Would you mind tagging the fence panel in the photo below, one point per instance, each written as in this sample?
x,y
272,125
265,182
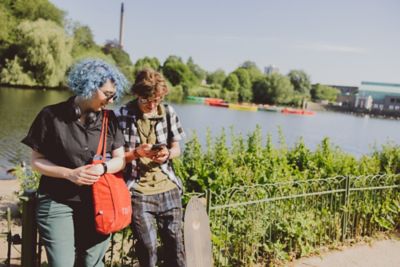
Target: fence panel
x,y
273,223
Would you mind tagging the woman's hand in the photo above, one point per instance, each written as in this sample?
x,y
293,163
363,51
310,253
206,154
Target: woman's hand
x,y
85,175
97,169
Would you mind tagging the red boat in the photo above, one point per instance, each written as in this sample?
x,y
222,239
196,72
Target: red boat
x,y
210,100
219,104
297,111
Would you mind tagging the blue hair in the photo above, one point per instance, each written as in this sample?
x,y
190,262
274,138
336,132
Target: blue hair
x,y
88,75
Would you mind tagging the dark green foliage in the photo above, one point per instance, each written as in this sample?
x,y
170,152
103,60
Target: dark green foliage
x,y
231,83
272,89
205,92
245,93
178,73
196,70
119,55
300,81
253,70
324,92
216,77
83,37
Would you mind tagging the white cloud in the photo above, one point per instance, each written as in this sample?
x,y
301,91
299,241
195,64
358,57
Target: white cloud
x,y
332,48
225,37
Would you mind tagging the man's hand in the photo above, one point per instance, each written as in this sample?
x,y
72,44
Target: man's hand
x,y
161,156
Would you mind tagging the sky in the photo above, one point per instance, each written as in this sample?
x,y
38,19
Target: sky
x,y
337,42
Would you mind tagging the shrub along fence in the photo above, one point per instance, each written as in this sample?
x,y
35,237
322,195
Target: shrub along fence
x,y
270,224
273,223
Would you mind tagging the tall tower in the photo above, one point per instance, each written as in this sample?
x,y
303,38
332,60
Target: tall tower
x,y
121,26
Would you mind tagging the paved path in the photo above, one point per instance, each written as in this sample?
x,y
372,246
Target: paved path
x,y
382,253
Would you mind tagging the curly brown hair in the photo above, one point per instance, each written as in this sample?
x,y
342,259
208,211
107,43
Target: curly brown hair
x,y
149,82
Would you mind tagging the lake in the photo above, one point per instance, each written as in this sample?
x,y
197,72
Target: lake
x,y
355,135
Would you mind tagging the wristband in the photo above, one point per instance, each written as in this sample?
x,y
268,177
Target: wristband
x,y
104,167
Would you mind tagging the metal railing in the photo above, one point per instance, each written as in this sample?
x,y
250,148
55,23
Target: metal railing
x,y
272,223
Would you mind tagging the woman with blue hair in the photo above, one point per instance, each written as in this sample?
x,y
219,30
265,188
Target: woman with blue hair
x,y
64,139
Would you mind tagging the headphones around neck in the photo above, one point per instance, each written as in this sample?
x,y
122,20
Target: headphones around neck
x,y
90,117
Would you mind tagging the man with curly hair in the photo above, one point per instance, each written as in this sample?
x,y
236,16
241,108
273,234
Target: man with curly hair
x,y
152,133
64,138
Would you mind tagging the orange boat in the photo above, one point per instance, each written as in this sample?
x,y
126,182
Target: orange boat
x,y
297,111
210,100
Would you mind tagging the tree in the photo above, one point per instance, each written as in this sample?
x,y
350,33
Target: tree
x,y
44,52
196,70
272,89
245,92
300,81
178,73
13,73
249,65
231,83
324,92
83,36
119,55
7,24
253,70
147,62
216,77
38,9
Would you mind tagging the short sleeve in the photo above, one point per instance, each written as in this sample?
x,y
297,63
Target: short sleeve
x,y
39,132
118,137
177,132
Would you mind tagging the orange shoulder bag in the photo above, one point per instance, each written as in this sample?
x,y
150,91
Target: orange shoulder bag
x,y
111,197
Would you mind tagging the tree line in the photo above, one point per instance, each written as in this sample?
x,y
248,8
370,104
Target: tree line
x,y
38,45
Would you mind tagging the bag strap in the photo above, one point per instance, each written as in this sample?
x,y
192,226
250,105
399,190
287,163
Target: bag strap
x,y
168,118
101,148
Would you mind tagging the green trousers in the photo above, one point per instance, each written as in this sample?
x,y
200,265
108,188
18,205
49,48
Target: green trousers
x,y
68,233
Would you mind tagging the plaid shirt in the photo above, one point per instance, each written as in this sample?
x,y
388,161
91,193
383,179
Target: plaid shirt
x,y
127,117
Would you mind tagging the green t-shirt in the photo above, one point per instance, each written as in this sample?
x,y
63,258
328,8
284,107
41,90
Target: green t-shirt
x,y
152,179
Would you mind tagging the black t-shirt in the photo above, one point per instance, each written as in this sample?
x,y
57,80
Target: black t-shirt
x,y
62,139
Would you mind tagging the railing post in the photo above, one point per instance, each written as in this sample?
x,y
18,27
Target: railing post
x,y
29,229
345,205
9,238
208,204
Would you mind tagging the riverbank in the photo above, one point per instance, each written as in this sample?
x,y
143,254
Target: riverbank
x,y
34,87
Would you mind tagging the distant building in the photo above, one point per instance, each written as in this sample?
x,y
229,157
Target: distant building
x,y
347,95
363,102
383,97
346,90
270,69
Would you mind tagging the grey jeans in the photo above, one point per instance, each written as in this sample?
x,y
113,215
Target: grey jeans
x,y
69,235
160,213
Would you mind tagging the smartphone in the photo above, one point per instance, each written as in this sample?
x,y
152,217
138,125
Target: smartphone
x,y
157,147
